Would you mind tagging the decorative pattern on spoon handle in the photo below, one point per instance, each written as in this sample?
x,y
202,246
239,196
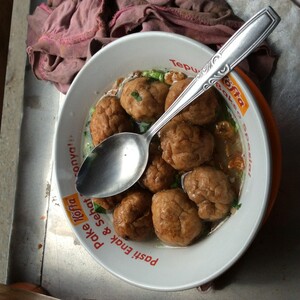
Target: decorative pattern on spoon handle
x,y
220,73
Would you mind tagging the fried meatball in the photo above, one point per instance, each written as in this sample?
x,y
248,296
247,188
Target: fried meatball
x,y
159,175
210,189
185,146
144,99
132,219
109,203
202,110
210,211
109,118
175,218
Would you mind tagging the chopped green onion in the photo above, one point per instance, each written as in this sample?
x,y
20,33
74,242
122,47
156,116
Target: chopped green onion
x,y
236,204
143,126
136,96
92,109
99,209
236,127
177,182
155,74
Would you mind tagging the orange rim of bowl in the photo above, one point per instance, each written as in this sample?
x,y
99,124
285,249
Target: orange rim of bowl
x,y
274,139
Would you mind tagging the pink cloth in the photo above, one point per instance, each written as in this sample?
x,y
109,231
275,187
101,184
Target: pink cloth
x,y
63,34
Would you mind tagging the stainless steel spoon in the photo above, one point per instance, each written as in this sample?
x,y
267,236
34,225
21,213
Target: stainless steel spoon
x,y
119,161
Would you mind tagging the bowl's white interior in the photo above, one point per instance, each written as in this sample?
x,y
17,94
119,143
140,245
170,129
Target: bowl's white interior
x,y
176,268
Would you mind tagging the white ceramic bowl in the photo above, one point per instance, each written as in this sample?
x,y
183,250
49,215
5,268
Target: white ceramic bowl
x,y
149,264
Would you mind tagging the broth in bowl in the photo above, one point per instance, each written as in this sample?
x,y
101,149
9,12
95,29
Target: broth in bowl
x,y
194,175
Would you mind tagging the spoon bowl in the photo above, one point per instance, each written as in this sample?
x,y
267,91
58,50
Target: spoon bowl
x,y
121,157
119,161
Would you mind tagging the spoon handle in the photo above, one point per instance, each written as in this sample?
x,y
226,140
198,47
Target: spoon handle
x,y
244,41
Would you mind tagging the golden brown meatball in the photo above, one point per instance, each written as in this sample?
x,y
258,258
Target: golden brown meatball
x,y
109,203
132,219
185,146
210,189
202,110
175,218
144,99
159,175
210,211
108,118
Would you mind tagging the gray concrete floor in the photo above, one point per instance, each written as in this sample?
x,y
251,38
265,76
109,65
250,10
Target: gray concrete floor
x,y
5,18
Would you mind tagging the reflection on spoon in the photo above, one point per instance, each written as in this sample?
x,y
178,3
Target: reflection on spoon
x,y
119,161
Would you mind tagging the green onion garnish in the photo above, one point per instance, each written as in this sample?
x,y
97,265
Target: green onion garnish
x,y
155,74
236,204
99,209
136,96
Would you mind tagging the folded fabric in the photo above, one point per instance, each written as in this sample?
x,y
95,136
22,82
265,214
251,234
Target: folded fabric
x,y
63,34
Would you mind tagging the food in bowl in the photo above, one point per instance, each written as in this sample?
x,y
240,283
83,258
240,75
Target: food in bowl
x,y
196,163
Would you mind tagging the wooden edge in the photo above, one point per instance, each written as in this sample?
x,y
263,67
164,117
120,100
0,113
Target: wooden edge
x,y
11,126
